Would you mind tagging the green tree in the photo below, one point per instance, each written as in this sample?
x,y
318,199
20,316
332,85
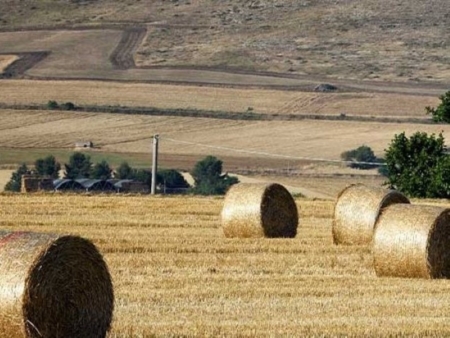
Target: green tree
x,y
172,179
442,112
101,171
124,171
360,154
47,166
79,166
418,166
68,106
52,105
208,177
15,182
145,176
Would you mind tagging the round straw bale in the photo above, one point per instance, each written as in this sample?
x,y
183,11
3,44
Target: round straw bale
x,y
412,241
259,210
356,211
53,286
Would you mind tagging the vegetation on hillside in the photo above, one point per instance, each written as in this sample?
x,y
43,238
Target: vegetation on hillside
x,y
313,37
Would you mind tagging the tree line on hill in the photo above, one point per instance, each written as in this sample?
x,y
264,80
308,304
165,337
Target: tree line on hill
x,y
207,174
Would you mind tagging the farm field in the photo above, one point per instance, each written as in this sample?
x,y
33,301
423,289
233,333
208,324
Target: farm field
x,y
287,140
176,275
167,96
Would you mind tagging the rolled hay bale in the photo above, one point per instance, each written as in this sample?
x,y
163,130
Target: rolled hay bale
x,y
356,211
259,210
53,286
412,241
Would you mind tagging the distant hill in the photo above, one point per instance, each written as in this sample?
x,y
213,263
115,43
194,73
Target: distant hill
x,y
392,40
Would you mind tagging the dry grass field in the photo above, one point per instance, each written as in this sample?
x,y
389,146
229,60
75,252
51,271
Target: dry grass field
x,y
215,99
6,60
199,136
380,40
176,275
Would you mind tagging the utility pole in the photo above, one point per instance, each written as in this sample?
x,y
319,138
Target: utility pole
x,y
154,164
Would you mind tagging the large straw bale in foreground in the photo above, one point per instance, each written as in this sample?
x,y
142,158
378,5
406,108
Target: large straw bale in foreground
x,y
413,241
356,211
259,210
53,286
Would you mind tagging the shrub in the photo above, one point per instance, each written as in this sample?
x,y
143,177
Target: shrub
x,y
442,112
52,105
15,182
361,154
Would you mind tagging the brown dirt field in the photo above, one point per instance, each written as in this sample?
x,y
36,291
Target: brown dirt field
x,y
216,99
73,53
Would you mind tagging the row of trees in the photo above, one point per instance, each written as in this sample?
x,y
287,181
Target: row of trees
x,y
207,174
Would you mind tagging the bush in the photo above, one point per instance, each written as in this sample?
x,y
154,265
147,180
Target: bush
x,y
442,112
68,106
361,154
52,105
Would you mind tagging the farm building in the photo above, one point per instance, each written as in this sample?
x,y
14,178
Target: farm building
x,y
96,184
128,185
67,184
84,144
33,183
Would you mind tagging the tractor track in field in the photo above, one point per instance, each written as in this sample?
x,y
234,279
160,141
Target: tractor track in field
x,y
22,64
123,55
122,58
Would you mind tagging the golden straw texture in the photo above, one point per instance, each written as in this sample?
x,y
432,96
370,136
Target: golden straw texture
x,y
259,210
413,241
53,286
356,211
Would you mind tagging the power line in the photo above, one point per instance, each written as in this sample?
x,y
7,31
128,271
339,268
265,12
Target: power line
x,y
266,154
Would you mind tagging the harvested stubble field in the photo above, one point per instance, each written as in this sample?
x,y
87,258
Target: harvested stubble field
x,y
6,60
132,134
176,275
215,99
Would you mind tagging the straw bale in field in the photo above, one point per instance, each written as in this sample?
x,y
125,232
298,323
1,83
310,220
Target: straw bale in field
x,y
356,211
53,286
412,241
259,210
